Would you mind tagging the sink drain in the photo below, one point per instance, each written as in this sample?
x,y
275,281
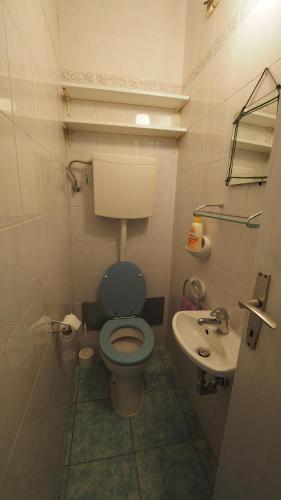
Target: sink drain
x,y
204,352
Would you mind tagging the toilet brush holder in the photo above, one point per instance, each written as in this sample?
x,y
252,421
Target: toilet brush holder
x,y
86,356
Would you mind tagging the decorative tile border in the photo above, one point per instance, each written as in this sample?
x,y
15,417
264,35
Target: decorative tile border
x,y
220,41
120,82
246,8
173,88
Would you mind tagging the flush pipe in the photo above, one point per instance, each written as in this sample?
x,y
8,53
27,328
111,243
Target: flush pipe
x,y
123,238
210,387
75,186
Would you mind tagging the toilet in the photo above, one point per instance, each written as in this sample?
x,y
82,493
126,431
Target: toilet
x,y
126,341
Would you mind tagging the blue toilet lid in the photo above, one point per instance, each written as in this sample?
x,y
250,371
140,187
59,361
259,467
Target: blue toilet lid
x,y
123,290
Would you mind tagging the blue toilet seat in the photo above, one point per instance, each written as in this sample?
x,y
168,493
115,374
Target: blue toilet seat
x,y
131,358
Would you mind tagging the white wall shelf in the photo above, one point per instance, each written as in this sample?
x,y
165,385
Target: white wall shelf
x,y
123,96
253,146
123,128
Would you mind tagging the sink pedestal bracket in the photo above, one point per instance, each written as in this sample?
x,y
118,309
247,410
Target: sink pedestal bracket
x,y
205,387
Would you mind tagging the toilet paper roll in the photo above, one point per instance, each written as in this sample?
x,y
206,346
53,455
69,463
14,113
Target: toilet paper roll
x,y
72,321
86,357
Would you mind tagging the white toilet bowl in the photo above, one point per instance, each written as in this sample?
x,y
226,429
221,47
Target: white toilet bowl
x,y
126,342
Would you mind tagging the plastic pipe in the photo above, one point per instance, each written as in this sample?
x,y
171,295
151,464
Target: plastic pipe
x,y
123,238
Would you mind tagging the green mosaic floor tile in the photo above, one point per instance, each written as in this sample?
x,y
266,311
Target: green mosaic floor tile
x,y
207,460
94,383
160,422
110,479
99,432
172,473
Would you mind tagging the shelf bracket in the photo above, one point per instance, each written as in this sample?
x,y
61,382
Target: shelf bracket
x,y
218,205
66,99
68,134
251,218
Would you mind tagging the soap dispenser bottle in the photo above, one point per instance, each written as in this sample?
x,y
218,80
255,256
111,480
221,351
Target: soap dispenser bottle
x,y
195,238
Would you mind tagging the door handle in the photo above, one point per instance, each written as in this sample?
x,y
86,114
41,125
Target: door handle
x,y
254,306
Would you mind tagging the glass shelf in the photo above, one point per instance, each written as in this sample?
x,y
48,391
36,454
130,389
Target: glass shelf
x,y
247,221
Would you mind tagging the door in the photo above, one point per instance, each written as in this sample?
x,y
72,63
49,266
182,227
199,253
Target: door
x,y
250,462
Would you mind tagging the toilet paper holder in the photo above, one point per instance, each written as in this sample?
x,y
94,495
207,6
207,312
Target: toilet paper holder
x,y
56,329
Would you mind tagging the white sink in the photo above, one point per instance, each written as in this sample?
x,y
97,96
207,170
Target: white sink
x,y
190,336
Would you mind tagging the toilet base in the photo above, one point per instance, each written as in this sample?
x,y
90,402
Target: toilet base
x,y
127,394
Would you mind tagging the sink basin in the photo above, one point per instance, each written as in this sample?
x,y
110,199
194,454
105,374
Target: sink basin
x,y
222,349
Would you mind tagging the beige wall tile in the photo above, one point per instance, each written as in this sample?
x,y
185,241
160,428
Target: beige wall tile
x,y
86,226
5,91
35,268
149,255
30,175
166,152
86,287
93,257
157,283
224,55
10,199
126,38
10,415
162,224
165,190
21,77
14,280
139,229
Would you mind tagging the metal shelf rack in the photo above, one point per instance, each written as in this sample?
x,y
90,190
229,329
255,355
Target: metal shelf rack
x,y
247,221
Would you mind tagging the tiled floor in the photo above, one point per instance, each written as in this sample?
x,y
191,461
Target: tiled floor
x,y
159,454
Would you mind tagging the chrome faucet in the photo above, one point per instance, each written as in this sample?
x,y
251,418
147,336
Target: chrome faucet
x,y
218,316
